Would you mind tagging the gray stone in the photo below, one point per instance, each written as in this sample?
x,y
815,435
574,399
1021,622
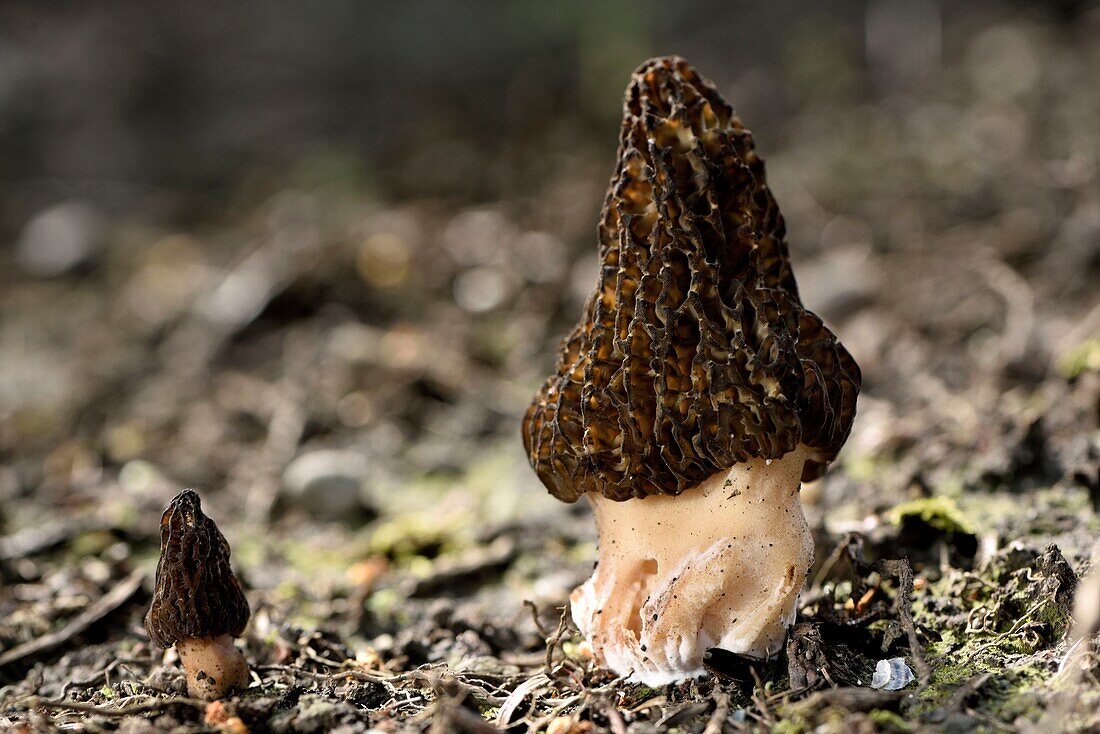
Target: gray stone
x,y
326,484
59,238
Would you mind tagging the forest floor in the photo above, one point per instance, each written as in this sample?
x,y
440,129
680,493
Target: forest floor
x,y
341,378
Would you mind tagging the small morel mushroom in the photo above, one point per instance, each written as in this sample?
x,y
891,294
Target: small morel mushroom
x,y
693,396
198,605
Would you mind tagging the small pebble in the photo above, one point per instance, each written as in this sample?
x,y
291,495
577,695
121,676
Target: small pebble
x,y
327,484
59,238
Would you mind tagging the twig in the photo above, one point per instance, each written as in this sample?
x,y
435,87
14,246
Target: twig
x,y
451,715
615,719
901,569
852,698
535,616
309,652
1019,307
42,537
542,722
759,699
999,725
832,560
967,689
1025,617
91,680
552,642
516,697
114,711
718,718
494,558
93,613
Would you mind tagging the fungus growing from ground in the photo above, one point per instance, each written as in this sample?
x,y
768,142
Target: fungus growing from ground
x,y
198,604
692,397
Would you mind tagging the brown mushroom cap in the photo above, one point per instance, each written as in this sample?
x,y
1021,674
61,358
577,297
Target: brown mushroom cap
x,y
197,594
694,353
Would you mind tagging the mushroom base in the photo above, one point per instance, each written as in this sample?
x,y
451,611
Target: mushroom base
x,y
214,667
721,565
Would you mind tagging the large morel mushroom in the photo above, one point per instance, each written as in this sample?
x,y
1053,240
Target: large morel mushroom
x,y
198,604
693,396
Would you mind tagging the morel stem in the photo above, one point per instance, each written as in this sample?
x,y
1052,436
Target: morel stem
x,y
213,665
719,566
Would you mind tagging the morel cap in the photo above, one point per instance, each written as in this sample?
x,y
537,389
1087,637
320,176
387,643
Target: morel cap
x,y
694,352
196,594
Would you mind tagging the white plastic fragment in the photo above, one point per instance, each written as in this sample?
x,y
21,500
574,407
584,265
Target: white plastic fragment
x,y
892,675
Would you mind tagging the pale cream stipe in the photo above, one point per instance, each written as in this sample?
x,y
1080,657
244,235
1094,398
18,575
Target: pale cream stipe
x,y
721,565
214,667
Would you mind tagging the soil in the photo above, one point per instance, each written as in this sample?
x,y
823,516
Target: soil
x,y
341,377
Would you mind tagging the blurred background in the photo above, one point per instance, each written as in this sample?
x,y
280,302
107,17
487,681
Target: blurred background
x,y
314,259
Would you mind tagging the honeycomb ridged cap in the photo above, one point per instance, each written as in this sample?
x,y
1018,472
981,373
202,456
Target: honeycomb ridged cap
x,y
694,351
196,592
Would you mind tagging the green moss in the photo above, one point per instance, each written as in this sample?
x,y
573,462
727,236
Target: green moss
x,y
571,647
938,512
309,558
383,602
889,720
1003,620
949,669
286,591
332,168
249,549
412,535
582,552
1009,692
1081,358
861,467
643,692
793,725
91,543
